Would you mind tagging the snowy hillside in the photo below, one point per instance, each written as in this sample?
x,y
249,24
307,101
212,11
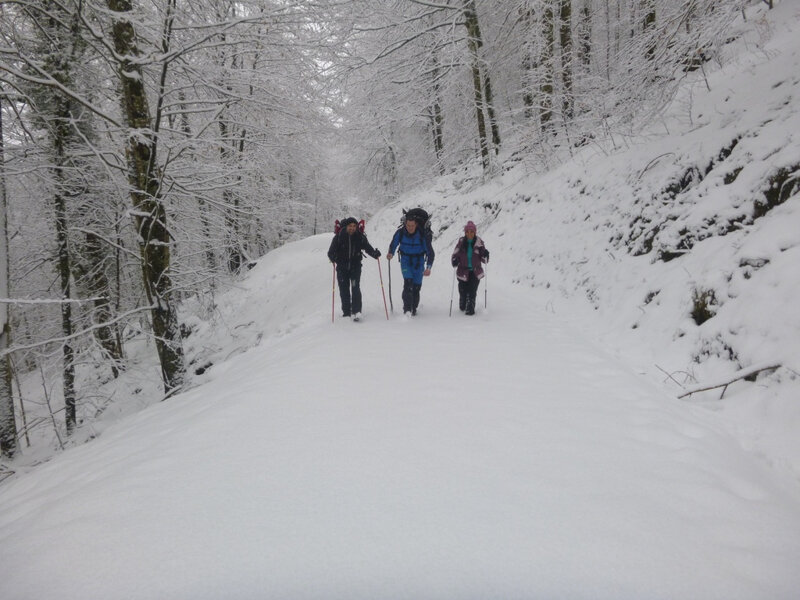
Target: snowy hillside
x,y
501,455
678,250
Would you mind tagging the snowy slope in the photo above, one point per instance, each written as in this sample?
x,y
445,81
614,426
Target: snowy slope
x,y
626,237
439,457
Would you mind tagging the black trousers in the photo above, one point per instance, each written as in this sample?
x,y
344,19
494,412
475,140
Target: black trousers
x,y
349,278
411,295
467,292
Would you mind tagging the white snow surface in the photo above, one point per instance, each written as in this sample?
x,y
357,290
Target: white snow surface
x,y
535,450
495,456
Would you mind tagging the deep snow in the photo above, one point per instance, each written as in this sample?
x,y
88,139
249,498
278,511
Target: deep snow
x,y
437,457
535,450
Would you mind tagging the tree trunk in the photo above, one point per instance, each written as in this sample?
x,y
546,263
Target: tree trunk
x,y
608,41
437,123
99,288
546,62
66,307
8,423
149,214
90,266
528,63
231,202
58,47
61,135
487,91
585,38
649,23
474,43
565,41
233,246
483,142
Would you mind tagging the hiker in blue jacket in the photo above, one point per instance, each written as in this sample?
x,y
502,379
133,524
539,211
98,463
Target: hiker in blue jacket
x,y
416,260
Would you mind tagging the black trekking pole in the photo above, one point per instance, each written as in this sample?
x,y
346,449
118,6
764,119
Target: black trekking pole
x,y
485,285
333,293
391,304
452,291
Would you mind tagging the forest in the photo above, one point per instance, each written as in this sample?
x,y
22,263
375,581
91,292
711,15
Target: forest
x,y
150,152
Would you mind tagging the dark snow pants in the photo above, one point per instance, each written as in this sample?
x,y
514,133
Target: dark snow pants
x,y
349,279
413,268
467,292
411,295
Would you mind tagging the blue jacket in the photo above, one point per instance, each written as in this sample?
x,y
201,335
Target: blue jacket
x,y
415,244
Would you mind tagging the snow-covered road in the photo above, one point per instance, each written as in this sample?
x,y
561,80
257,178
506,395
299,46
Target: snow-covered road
x,y
498,456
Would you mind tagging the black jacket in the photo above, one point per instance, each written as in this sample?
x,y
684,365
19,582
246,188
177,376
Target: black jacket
x,y
346,249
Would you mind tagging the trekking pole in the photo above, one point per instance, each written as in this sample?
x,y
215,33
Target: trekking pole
x,y
485,285
452,290
333,292
391,304
383,293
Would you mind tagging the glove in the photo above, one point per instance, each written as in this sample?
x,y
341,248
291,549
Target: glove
x,y
377,254
454,261
486,255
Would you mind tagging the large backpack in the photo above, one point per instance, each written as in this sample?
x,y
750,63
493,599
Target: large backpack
x,y
423,220
339,225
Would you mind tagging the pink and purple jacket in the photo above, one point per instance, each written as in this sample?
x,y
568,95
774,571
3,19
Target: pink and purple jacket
x,y
479,254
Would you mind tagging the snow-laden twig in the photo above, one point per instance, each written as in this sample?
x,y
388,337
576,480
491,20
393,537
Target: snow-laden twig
x,y
46,300
652,162
742,374
669,376
50,407
77,334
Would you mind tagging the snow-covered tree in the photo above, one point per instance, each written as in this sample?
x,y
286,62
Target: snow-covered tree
x,y
8,427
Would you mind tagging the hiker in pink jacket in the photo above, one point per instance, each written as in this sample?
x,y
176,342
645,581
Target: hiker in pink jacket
x,y
468,258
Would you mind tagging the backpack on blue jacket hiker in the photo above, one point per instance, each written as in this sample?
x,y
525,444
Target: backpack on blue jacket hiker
x,y
423,220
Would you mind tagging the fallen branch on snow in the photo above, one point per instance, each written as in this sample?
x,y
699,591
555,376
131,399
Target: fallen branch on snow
x,y
743,374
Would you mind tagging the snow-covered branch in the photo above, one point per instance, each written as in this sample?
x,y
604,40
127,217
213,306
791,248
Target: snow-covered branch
x,y
742,374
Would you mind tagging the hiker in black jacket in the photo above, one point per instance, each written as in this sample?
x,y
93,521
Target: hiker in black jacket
x,y
345,252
